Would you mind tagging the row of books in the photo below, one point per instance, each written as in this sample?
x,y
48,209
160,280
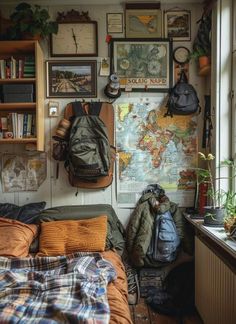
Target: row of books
x,y
18,125
12,68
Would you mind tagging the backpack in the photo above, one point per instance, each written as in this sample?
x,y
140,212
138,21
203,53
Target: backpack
x,y
183,99
165,239
89,154
176,296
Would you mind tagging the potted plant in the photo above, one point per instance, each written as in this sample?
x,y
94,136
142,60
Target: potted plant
x,y
202,56
31,22
222,204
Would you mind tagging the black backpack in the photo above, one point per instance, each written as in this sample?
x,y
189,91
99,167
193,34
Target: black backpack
x,y
89,155
165,240
183,99
176,297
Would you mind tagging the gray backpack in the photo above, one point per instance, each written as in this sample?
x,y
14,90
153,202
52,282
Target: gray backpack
x,y
165,239
89,155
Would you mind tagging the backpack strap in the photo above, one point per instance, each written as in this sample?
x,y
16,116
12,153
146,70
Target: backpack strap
x,y
95,108
78,110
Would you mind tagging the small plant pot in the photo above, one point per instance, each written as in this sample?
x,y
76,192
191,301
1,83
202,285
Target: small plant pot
x,y
214,216
203,61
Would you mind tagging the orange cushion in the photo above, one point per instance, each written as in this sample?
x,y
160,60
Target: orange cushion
x,y
69,236
16,237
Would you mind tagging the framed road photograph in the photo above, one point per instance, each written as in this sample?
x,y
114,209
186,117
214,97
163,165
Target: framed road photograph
x,y
71,79
177,25
142,65
143,23
114,23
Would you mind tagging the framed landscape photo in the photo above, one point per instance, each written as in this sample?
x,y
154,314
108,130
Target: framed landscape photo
x,y
143,23
71,79
143,64
114,23
177,25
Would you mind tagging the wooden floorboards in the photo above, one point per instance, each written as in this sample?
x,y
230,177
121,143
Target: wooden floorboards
x,y
142,314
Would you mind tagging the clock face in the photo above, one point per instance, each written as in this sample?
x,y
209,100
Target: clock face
x,y
154,67
75,39
181,55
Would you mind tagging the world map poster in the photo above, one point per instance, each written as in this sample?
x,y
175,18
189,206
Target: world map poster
x,y
155,149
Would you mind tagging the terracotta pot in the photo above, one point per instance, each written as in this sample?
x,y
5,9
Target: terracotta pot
x,y
203,61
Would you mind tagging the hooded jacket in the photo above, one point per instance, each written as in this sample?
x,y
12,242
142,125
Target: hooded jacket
x,y
140,226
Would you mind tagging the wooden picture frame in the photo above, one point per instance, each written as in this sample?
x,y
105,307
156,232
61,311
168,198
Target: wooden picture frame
x,y
78,38
143,23
71,79
114,23
143,64
177,25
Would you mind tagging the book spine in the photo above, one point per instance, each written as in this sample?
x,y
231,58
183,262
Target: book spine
x,y
25,121
29,125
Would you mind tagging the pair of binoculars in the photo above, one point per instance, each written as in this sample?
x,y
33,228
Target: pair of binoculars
x,y
63,130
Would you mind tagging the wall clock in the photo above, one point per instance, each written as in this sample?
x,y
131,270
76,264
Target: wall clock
x,y
181,55
75,39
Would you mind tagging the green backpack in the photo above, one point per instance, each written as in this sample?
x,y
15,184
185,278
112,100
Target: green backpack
x,y
89,154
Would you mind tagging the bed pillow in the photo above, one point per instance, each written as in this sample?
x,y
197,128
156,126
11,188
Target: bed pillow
x,y
115,230
26,213
70,236
15,237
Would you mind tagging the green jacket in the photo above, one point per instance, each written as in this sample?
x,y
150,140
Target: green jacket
x,y
140,228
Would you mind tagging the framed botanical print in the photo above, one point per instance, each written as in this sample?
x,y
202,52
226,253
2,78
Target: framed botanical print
x,y
143,64
71,79
77,38
143,23
177,25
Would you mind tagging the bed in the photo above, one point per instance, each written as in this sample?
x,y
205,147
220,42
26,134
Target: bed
x,y
63,265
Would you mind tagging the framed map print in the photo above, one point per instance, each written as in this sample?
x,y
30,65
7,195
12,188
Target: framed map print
x,y
144,23
143,64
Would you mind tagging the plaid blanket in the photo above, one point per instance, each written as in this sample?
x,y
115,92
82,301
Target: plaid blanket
x,y
64,289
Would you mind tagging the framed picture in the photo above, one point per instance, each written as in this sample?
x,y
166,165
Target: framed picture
x,y
177,25
71,79
142,65
75,39
144,23
114,23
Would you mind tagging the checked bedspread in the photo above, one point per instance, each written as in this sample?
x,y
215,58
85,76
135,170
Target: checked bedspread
x,y
64,289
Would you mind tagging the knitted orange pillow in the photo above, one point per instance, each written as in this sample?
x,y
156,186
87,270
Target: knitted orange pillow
x,y
16,237
70,236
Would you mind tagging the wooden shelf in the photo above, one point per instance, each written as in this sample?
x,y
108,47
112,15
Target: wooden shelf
x,y
206,70
18,106
17,80
17,50
17,140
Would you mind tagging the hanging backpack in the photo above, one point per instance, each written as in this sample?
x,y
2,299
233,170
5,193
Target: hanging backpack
x,y
165,240
89,152
183,99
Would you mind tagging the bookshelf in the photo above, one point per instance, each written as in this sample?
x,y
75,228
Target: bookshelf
x,y
17,76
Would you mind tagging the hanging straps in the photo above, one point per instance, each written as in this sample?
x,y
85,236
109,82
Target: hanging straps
x,y
90,108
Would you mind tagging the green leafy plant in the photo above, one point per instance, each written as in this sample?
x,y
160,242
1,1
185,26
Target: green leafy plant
x,y
31,20
220,197
198,52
